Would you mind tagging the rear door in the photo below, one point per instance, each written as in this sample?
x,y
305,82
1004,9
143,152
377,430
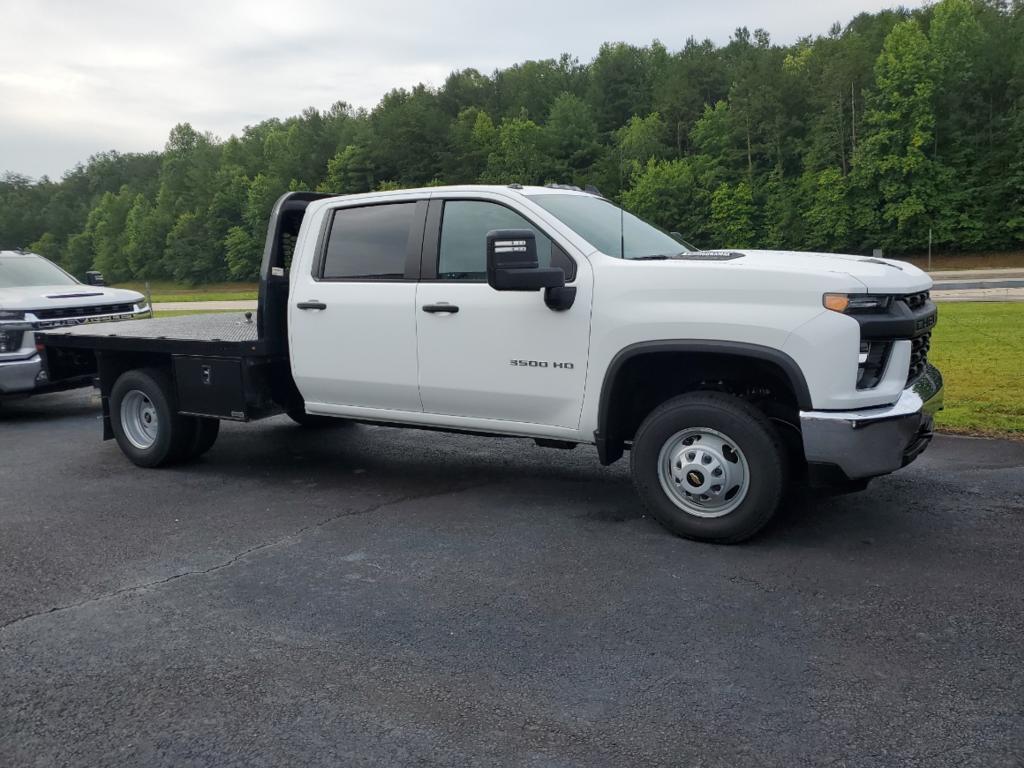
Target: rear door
x,y
352,316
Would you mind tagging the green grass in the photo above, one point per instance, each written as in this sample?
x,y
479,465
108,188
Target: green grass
x,y
165,291
980,260
979,347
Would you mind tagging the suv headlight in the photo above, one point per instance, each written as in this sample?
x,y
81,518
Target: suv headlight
x,y
10,314
856,303
10,340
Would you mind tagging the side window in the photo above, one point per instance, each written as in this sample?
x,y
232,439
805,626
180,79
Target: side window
x,y
369,243
462,254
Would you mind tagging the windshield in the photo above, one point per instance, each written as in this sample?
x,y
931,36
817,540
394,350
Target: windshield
x,y
608,228
24,271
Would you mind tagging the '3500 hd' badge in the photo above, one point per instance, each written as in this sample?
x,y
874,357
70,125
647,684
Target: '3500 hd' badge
x,y
540,364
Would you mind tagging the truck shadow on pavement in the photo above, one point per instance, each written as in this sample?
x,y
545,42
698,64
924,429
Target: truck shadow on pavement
x,y
50,407
332,462
417,462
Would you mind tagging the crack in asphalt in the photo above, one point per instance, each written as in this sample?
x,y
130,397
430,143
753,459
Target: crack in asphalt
x,y
238,557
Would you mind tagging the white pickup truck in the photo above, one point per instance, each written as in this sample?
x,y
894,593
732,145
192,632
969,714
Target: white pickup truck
x,y
550,314
36,294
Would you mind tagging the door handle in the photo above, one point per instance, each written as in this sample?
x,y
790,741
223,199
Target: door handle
x,y
449,308
311,305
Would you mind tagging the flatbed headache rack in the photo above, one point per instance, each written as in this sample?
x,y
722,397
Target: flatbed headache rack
x,y
226,365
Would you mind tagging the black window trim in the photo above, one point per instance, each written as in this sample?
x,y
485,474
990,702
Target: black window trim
x,y
431,253
413,252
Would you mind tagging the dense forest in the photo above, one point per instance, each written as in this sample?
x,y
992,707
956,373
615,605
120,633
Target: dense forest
x,y
868,136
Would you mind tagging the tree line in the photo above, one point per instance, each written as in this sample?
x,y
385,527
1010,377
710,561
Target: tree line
x,y
870,136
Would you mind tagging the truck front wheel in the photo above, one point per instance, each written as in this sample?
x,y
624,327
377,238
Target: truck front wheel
x,y
144,417
709,466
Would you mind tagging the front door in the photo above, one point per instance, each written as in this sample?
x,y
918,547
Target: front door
x,y
503,355
352,319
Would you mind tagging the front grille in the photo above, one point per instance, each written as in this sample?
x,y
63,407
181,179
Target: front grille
x,y
919,356
100,309
915,300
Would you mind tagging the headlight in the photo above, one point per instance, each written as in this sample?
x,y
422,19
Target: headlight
x,y
10,341
851,304
9,314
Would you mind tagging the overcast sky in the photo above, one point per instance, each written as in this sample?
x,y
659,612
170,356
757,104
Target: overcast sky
x,y
78,77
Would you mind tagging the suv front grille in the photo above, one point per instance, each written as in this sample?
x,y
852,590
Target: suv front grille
x,y
100,309
919,356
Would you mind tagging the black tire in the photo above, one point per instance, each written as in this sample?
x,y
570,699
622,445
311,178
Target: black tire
x,y
315,421
754,436
206,435
175,434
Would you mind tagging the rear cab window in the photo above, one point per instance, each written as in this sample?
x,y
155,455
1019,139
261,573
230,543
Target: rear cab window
x,y
370,242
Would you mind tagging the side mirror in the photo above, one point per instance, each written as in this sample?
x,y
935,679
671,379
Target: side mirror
x,y
94,278
512,262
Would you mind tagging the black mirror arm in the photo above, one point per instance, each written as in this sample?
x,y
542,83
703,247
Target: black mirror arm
x,y
560,298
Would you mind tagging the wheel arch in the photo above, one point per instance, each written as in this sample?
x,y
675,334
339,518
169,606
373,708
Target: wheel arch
x,y
610,435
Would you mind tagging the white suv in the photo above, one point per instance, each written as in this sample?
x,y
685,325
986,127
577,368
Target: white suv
x,y
36,294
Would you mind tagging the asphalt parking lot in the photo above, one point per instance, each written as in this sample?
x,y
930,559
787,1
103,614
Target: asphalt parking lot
x,y
370,596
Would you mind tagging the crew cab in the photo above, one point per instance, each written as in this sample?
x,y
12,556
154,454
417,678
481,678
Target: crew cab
x,y
551,314
36,295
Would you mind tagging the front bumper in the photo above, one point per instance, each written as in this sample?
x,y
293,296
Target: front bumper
x,y
874,441
19,375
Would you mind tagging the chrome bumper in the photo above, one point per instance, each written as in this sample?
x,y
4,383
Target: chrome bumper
x,y
875,441
19,375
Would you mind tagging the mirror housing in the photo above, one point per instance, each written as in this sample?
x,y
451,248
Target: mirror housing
x,y
94,278
512,262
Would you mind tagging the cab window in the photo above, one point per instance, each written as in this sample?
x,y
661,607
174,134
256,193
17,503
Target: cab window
x,y
369,243
463,244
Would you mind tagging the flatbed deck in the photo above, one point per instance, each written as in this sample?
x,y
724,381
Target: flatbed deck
x,y
226,333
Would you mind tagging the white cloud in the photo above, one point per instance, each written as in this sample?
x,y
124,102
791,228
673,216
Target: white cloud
x,y
76,77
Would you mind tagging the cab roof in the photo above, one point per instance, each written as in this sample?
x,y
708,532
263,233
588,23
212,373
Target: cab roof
x,y
521,189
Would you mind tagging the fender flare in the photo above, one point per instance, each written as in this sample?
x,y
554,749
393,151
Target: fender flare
x,y
610,450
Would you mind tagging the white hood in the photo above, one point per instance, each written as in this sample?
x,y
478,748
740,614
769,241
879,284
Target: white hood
x,y
876,275
59,296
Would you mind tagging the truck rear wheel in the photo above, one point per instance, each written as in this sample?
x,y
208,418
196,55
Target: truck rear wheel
x,y
145,419
709,466
207,430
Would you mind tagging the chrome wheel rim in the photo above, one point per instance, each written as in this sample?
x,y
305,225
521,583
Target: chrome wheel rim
x,y
703,472
139,419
